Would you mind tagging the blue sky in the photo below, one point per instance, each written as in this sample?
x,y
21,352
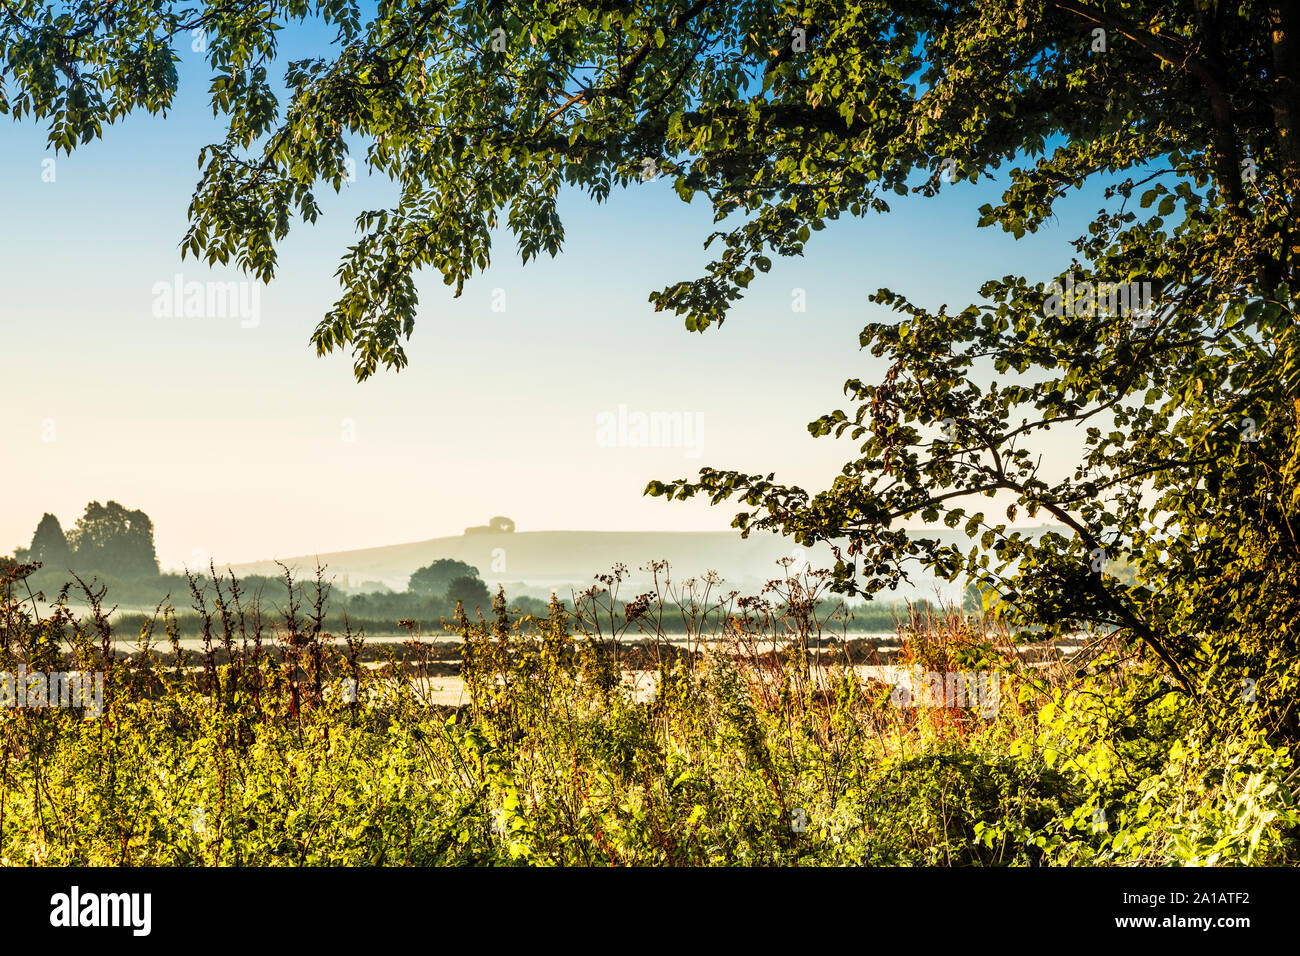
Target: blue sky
x,y
236,442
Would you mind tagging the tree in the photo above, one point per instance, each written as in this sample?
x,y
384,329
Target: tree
x,y
434,579
496,525
1184,393
739,104
109,539
469,591
784,117
49,545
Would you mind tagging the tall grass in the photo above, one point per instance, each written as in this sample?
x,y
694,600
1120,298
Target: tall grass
x,y
587,737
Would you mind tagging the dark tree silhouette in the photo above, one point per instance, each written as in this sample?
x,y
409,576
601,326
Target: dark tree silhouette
x,y
49,545
434,579
471,592
109,539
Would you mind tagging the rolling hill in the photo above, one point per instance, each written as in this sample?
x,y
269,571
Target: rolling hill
x,y
537,561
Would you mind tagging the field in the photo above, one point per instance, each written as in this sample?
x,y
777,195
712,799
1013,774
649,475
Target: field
x,y
762,741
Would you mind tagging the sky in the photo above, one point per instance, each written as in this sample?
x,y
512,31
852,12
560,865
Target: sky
x,y
241,444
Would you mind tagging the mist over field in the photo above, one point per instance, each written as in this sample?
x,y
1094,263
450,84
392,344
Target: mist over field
x,y
536,562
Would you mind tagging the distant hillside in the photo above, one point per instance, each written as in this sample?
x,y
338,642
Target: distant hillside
x,y
545,559
540,560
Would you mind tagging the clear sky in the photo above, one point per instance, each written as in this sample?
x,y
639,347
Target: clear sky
x,y
242,444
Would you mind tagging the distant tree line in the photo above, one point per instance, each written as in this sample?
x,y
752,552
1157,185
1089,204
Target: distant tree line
x,y
114,546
